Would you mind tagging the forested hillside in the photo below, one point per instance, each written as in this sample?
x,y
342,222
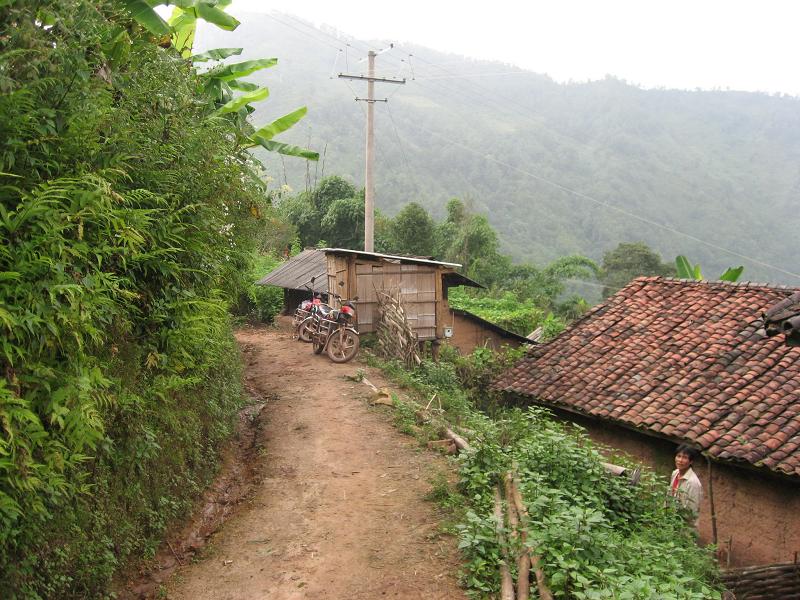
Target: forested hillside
x,y
721,166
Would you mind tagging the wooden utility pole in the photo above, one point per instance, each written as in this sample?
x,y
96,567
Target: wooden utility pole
x,y
369,184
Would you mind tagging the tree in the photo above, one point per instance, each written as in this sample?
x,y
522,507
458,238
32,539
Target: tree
x,y
628,261
545,284
412,231
343,224
308,210
331,189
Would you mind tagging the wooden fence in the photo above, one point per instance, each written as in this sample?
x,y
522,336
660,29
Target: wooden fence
x,y
769,582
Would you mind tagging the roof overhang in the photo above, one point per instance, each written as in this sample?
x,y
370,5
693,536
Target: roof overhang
x,y
391,257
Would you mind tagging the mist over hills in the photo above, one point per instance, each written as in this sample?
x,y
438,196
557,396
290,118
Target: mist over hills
x,y
720,166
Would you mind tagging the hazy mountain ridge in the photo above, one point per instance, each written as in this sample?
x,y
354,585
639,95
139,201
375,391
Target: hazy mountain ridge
x,y
720,166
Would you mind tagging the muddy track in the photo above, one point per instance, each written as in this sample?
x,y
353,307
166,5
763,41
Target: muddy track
x,y
323,497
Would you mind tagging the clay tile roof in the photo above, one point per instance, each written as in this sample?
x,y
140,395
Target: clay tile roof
x,y
678,359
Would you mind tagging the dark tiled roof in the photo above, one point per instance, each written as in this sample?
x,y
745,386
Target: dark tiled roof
x,y
296,273
682,360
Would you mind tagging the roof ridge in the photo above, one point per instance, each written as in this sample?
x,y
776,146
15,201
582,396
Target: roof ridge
x,y
715,282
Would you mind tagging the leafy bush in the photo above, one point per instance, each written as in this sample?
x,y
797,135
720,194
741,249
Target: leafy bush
x,y
265,302
128,213
598,537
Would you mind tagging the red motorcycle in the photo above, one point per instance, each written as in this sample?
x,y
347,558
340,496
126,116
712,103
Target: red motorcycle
x,y
336,332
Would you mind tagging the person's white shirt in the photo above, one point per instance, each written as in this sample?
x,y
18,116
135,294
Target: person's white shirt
x,y
689,492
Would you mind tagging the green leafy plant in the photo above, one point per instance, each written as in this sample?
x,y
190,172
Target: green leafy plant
x,y
685,270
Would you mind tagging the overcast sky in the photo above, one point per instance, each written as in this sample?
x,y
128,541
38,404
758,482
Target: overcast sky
x,y
726,44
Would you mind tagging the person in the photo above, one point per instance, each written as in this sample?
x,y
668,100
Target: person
x,y
685,486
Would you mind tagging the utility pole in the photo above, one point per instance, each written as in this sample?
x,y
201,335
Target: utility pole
x,y
369,184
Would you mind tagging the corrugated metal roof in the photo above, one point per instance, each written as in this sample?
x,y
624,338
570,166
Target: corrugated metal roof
x,y
402,259
296,273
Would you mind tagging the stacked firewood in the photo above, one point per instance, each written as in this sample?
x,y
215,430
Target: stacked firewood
x,y
396,339
765,582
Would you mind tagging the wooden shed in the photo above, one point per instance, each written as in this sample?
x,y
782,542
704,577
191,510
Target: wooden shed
x,y
421,284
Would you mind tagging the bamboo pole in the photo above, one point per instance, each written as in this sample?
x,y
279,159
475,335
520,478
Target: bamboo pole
x,y
541,584
523,560
506,582
711,504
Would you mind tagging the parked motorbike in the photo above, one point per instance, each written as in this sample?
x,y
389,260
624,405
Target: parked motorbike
x,y
303,321
335,331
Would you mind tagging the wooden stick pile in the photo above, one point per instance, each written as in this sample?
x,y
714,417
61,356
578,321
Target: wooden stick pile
x,y
396,339
765,582
512,517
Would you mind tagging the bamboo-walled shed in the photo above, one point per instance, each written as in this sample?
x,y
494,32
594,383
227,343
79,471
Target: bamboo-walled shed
x,y
420,283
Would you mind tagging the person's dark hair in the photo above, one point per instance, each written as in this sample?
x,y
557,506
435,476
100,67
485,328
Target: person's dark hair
x,y
689,451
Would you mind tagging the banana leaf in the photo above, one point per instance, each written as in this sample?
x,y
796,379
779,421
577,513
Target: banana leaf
x,y
282,148
216,54
237,103
242,86
148,18
732,274
280,125
685,270
236,70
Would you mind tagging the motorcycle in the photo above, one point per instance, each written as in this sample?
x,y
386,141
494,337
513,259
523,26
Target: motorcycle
x,y
336,331
303,321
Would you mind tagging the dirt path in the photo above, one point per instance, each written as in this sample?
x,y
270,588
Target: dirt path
x,y
340,511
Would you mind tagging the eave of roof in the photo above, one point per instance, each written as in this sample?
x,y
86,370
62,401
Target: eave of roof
x,y
296,273
391,257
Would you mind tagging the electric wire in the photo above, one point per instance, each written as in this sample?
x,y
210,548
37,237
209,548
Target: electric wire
x,y
409,171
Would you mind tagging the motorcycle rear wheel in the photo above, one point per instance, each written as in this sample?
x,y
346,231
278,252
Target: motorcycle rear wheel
x,y
318,344
343,345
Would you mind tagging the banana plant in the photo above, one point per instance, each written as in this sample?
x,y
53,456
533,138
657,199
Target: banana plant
x,y
232,97
685,270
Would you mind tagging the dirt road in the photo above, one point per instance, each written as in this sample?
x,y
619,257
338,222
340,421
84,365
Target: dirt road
x,y
339,511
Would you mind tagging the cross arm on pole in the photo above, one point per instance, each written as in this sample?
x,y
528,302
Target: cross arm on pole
x,y
375,79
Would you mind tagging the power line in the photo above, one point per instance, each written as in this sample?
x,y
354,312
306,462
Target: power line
x,y
402,149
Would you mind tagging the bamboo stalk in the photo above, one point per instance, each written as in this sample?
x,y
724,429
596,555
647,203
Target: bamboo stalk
x,y
523,560
541,584
506,583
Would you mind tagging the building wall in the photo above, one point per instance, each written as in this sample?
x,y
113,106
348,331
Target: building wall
x,y
758,515
468,335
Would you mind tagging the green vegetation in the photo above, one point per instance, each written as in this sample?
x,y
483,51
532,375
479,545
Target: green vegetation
x,y
518,297
597,536
628,261
685,270
130,211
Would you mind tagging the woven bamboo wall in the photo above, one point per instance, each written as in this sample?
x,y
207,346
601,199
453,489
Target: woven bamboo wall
x,y
416,284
